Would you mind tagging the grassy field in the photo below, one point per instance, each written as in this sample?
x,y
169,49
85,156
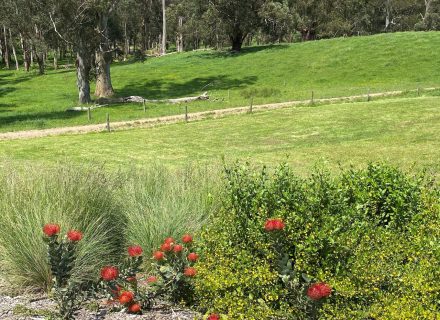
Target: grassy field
x,y
337,67
404,131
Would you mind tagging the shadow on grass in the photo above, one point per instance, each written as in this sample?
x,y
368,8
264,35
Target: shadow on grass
x,y
163,89
244,51
38,118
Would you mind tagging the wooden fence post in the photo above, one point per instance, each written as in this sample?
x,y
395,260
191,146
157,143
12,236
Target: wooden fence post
x,y
145,108
108,122
186,113
252,102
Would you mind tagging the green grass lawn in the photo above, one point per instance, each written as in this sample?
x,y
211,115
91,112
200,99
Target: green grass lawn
x,y
405,131
337,67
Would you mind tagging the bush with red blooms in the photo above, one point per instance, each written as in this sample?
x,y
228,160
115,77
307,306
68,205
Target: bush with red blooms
x,y
174,265
213,316
121,283
299,285
62,256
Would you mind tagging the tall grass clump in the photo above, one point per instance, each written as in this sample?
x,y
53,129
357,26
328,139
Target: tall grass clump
x,y
76,198
161,202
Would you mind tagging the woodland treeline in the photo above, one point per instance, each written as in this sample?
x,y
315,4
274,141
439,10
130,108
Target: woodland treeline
x,y
90,34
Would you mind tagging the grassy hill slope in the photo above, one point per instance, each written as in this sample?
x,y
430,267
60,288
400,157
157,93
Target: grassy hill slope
x,y
336,67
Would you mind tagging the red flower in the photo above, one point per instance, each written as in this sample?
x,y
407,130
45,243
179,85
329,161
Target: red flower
x,y
126,297
169,240
268,226
177,248
158,255
187,238
190,272
193,257
134,308
274,225
109,273
151,279
51,229
278,224
318,291
74,235
166,247
213,316
131,279
135,251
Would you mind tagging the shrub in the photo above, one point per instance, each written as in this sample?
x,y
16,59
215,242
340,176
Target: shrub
x,y
174,263
62,256
361,232
121,283
76,198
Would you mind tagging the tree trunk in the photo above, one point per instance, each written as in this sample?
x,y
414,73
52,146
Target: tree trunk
x,y
103,59
26,56
17,67
55,58
104,86
237,38
164,29
82,73
179,40
126,42
6,57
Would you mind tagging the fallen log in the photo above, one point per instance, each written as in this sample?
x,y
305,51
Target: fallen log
x,y
102,102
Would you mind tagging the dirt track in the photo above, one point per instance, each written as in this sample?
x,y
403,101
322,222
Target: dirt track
x,y
149,122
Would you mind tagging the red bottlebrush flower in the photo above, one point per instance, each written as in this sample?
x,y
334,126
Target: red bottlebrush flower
x,y
187,238
109,273
318,291
166,247
51,229
151,279
169,240
193,257
190,272
278,224
74,235
213,316
131,279
134,308
158,255
177,248
126,297
135,251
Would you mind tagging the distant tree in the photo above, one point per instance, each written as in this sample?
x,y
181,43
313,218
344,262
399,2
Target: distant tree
x,y
278,20
239,18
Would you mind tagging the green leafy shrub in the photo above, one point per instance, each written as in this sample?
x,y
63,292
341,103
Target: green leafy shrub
x,y
348,230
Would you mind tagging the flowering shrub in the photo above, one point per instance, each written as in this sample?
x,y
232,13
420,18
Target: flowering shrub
x,y
279,236
62,255
174,265
121,283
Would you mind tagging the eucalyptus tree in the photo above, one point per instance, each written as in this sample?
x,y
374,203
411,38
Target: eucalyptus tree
x,y
239,18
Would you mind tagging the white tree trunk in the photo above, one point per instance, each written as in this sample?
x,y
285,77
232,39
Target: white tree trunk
x,y
164,29
6,57
17,67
